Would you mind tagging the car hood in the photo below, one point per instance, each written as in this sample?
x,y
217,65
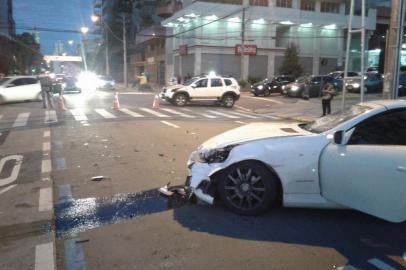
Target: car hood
x,y
176,86
252,132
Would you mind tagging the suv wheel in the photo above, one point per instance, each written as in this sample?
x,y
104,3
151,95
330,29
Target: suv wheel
x,y
180,99
228,101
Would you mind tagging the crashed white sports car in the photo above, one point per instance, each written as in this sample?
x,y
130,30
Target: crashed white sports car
x,y
356,159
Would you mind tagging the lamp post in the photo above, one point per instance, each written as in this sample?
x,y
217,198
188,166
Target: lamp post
x,y
84,31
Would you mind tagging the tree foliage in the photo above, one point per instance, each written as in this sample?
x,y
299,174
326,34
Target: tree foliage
x,y
290,64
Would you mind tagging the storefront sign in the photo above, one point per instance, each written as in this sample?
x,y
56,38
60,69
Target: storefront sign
x,y
183,49
248,49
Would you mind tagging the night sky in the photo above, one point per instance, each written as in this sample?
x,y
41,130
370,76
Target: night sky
x,y
59,14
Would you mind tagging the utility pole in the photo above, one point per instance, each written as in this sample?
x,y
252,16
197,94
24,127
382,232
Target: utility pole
x,y
392,57
243,44
107,55
125,50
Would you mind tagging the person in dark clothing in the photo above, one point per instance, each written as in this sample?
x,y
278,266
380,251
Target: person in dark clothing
x,y
328,93
46,91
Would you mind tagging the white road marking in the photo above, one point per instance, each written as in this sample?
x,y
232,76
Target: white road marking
x,y
47,133
203,114
46,166
225,115
21,120
244,115
129,112
267,99
105,113
154,112
79,114
4,190
46,146
240,122
45,199
347,267
50,116
16,169
242,108
44,257
380,264
177,113
169,124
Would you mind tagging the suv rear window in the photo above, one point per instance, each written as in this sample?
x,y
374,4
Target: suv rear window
x,y
228,82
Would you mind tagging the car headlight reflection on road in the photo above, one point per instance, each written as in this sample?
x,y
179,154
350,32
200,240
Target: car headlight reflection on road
x,y
294,88
260,87
214,155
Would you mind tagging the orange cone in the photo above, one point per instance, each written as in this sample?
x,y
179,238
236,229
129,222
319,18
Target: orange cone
x,y
116,103
155,104
61,103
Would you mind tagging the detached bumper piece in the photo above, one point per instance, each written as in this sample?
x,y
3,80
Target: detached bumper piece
x,y
171,191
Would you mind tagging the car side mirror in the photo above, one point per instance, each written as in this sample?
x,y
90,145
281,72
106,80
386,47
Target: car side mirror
x,y
11,85
338,137
193,85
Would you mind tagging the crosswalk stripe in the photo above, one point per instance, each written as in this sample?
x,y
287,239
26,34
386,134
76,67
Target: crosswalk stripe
x,y
154,112
79,114
129,112
225,115
50,116
380,264
21,120
105,113
244,115
203,114
177,113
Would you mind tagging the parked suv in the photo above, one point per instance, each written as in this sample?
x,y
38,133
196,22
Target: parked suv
x,y
224,90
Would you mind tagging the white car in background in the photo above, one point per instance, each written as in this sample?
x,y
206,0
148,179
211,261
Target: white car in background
x,y
356,159
19,88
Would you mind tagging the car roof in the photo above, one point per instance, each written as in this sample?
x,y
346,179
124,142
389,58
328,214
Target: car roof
x,y
388,103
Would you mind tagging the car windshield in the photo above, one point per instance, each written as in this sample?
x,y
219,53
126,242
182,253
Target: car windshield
x,y
330,121
190,81
2,81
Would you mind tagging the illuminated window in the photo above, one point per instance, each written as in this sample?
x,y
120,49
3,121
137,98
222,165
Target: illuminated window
x,y
284,3
263,3
330,7
309,5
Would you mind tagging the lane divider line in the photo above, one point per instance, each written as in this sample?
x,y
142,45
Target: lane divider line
x,y
21,120
44,257
169,124
380,264
4,190
45,199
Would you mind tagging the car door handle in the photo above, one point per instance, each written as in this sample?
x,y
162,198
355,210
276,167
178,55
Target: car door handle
x,y
401,168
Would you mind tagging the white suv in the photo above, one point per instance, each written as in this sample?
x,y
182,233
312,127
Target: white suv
x,y
220,89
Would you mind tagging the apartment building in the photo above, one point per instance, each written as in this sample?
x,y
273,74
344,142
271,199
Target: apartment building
x,y
205,36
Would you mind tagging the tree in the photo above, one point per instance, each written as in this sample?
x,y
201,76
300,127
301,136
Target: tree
x,y
28,53
291,64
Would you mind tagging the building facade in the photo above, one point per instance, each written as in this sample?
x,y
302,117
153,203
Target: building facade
x,y
7,34
204,36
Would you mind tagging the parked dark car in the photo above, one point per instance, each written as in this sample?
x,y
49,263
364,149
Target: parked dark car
x,y
266,87
373,82
402,85
305,87
336,78
106,82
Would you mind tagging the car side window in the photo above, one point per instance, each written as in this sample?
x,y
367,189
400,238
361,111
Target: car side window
x,y
385,129
30,81
216,83
18,82
228,82
202,83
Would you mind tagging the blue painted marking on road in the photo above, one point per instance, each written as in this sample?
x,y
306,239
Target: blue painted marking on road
x,y
74,256
58,145
65,194
60,163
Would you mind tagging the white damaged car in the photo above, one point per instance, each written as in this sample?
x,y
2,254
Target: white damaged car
x,y
356,159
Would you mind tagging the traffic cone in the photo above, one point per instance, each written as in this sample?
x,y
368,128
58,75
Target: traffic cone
x,y
61,103
116,103
155,104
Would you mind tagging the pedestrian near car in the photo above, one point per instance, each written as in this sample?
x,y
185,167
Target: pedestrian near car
x,y
46,91
328,93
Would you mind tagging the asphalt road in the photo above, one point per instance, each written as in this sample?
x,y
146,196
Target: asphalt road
x,y
53,215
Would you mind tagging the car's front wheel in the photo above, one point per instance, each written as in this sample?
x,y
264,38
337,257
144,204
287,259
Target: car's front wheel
x,y
248,188
180,99
228,101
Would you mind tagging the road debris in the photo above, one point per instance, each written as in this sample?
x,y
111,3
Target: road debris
x,y
100,178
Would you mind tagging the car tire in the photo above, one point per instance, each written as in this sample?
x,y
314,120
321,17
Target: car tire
x,y
256,94
180,100
244,196
267,93
228,101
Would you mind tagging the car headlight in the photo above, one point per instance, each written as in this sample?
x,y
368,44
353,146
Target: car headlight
x,y
212,156
260,87
356,85
63,85
283,87
275,86
294,88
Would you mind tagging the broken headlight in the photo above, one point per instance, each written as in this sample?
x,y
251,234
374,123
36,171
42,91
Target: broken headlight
x,y
216,155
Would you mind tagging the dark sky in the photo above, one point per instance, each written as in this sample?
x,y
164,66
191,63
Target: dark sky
x,y
59,14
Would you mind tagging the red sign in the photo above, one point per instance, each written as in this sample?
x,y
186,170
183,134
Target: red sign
x,y
183,49
248,49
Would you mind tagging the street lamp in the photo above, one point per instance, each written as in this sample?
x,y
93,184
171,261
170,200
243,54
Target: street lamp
x,y
70,42
95,18
84,29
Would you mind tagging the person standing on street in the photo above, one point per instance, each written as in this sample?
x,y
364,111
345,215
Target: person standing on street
x,y
328,93
46,90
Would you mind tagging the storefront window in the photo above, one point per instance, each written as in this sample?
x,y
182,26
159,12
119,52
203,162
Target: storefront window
x,y
263,3
308,5
330,7
284,3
